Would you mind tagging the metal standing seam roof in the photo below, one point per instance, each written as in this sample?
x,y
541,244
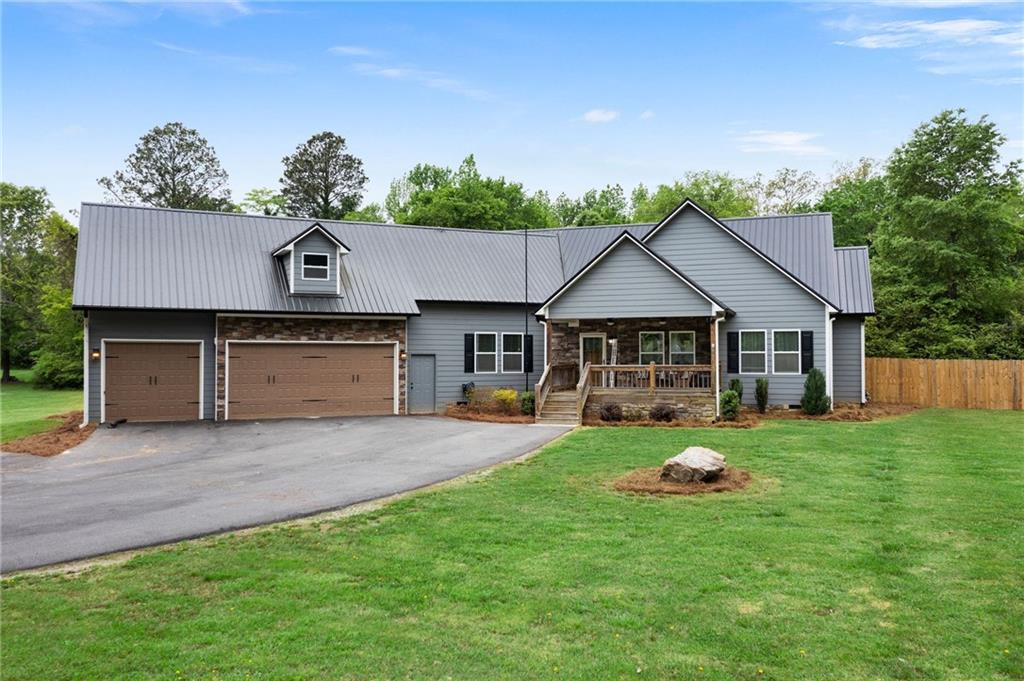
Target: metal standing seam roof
x,y
154,258
853,280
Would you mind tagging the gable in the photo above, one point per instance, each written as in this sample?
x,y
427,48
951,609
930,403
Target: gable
x,y
627,280
313,249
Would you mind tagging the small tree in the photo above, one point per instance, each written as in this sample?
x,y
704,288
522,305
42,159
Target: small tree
x,y
761,394
59,357
729,405
815,400
736,385
321,180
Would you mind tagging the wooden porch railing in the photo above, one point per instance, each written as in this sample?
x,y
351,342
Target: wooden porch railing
x,y
651,376
583,391
541,390
564,376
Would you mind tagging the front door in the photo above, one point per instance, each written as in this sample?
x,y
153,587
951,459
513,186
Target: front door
x,y
592,349
421,384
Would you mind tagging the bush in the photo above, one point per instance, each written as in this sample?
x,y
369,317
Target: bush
x,y
761,394
736,385
730,405
634,414
507,398
59,357
663,412
611,412
815,400
527,403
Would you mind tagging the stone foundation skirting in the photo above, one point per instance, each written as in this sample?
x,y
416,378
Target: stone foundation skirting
x,y
638,403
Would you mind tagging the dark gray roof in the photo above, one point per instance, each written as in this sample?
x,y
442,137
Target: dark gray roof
x,y
853,280
139,257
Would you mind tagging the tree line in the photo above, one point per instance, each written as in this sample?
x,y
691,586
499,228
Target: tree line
x,y
943,217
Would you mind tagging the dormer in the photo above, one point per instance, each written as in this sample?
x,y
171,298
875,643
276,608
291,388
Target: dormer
x,y
312,262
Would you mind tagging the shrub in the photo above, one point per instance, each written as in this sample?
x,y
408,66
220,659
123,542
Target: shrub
x,y
507,398
815,400
527,403
730,405
736,385
634,414
663,412
761,393
611,412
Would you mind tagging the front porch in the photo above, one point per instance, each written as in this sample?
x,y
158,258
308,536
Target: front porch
x,y
636,363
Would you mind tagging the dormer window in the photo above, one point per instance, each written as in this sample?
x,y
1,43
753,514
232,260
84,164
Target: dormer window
x,y
316,266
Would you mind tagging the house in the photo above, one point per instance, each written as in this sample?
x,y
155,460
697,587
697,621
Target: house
x,y
200,315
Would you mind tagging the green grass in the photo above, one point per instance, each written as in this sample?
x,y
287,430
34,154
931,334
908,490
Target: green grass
x,y
886,550
24,408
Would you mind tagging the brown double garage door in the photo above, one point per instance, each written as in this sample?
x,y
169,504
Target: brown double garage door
x,y
280,380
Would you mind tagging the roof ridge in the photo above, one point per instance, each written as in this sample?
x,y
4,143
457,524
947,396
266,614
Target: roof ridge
x,y
851,248
784,215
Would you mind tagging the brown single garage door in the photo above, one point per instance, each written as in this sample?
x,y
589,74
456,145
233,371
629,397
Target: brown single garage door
x,y
151,381
279,380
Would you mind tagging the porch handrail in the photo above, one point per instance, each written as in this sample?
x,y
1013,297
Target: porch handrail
x,y
652,376
582,391
541,390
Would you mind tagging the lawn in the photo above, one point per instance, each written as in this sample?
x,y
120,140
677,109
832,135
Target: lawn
x,y
885,550
24,408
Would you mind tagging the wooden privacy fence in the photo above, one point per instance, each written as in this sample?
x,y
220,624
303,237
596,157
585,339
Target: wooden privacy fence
x,y
956,383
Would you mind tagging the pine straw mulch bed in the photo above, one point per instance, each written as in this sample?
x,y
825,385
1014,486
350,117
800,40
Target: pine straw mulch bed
x,y
461,411
744,421
750,418
65,436
648,481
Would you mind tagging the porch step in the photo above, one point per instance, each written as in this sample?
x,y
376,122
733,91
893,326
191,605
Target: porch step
x,y
557,420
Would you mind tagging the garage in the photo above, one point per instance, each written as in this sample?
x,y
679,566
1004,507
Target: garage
x,y
308,379
152,381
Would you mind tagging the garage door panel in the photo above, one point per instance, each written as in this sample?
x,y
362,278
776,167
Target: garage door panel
x,y
277,380
151,381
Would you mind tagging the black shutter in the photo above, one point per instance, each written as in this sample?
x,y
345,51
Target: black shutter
x,y
528,354
468,353
806,351
732,352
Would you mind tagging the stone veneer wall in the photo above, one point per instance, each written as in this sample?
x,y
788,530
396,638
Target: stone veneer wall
x,y
309,329
564,340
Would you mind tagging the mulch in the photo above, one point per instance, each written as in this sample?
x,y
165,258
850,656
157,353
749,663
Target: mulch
x,y
65,436
872,411
461,411
648,481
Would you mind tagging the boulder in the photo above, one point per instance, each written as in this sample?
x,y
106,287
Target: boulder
x,y
694,464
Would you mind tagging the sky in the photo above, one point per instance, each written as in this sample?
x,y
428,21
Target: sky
x,y
561,97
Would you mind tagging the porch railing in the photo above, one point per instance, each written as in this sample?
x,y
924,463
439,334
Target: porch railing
x,y
651,376
583,391
541,390
564,376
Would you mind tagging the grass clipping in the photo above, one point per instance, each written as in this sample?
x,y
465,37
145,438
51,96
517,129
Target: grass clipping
x,y
63,437
648,481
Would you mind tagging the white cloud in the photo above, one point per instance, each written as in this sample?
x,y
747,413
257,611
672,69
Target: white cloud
x,y
431,79
600,116
230,61
1007,80
351,51
647,115
780,142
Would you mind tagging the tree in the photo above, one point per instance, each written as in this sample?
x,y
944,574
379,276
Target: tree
x,y
321,180
722,194
172,167
264,201
857,197
788,191
371,212
59,356
606,206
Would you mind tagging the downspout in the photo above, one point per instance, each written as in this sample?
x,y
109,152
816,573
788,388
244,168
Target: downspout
x,y
828,358
85,370
717,367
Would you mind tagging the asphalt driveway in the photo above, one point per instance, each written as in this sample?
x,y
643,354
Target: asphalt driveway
x,y
147,484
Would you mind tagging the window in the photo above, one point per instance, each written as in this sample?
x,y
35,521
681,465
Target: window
x,y
511,353
486,353
753,354
652,347
682,347
316,266
785,352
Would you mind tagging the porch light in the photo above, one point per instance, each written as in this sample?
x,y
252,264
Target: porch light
x,y
94,354
401,356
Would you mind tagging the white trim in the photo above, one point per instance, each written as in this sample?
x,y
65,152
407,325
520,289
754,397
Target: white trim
x,y
544,324
291,272
640,346
315,226
604,345
287,315
764,334
85,370
718,368
103,367
798,352
408,354
476,351
828,358
738,238
227,362
216,378
326,268
521,353
863,378
715,307
337,270
693,336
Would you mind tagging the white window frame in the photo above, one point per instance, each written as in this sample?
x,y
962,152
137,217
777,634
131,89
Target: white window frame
x,y
326,268
764,353
477,353
521,353
798,352
640,348
693,337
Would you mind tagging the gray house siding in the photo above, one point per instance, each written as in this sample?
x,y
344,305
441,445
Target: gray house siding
x,y
628,282
440,330
761,297
846,359
316,243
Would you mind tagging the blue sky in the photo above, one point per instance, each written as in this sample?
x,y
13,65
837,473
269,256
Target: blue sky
x,y
561,97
